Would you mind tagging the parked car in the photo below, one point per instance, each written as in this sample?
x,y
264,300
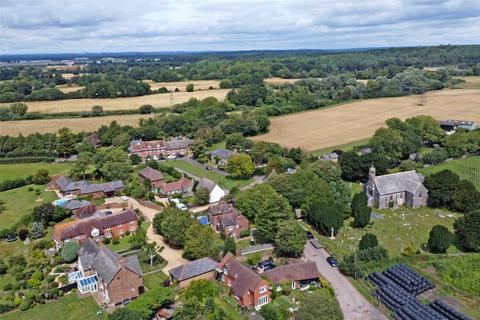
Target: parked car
x,y
181,206
171,157
11,237
208,168
266,265
332,262
309,235
124,198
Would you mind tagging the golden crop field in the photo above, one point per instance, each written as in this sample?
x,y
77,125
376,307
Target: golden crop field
x,y
65,88
182,85
277,80
25,127
358,120
157,100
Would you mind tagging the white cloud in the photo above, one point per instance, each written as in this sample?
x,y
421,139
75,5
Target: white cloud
x,y
112,25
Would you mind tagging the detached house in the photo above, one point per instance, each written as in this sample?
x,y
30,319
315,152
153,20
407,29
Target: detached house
x,y
112,279
297,275
182,186
221,156
156,177
98,225
216,193
402,188
225,219
247,287
158,149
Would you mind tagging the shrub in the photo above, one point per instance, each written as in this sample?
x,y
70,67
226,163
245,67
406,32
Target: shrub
x,y
51,278
23,234
106,240
37,275
3,267
368,240
8,287
440,239
6,306
25,305
245,233
270,312
115,240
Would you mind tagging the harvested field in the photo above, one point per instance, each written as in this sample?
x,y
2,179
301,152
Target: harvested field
x,y
65,88
156,100
182,85
25,127
358,120
277,80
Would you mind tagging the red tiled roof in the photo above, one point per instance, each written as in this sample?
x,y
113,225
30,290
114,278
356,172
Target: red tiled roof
x,y
244,279
293,272
151,174
139,145
180,185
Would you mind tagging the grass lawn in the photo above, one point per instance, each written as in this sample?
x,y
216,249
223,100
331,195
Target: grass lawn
x,y
345,147
155,279
69,307
19,202
470,83
397,229
124,242
220,145
230,307
468,169
23,170
223,181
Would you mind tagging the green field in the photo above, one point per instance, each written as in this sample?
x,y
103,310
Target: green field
x,y
468,169
69,307
19,202
223,181
398,229
154,279
345,147
23,170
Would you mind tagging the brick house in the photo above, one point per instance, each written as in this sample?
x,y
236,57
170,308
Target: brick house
x,y
97,226
182,186
156,177
112,279
247,287
297,275
183,275
225,219
84,188
158,149
94,140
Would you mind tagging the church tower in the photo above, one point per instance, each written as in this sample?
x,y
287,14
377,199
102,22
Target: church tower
x,y
371,173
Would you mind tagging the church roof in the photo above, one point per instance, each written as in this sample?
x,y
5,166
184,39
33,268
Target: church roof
x,y
408,181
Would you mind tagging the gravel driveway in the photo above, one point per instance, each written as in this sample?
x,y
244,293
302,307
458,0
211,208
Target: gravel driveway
x,y
354,306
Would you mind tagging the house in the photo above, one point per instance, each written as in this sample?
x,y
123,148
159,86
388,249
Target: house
x,y
99,225
112,279
225,219
297,275
156,177
158,149
84,188
331,157
203,268
247,287
182,186
94,140
216,193
402,188
452,125
84,212
364,151
220,156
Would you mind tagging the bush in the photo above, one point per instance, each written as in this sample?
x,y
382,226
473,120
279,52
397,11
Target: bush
x,y
37,275
23,234
115,240
51,278
25,305
8,287
439,239
106,240
245,233
6,306
270,312
368,240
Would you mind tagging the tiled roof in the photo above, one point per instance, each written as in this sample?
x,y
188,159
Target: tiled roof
x,y
151,174
293,272
76,204
177,186
207,184
222,153
408,181
178,144
221,208
139,145
244,278
66,185
193,269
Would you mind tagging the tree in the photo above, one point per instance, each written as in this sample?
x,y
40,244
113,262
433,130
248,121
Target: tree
x,y
149,302
69,251
439,239
407,165
270,312
23,234
388,142
326,216
125,314
290,239
19,109
41,177
467,229
189,87
200,241
202,196
360,211
80,167
174,227
319,305
201,290
97,111
37,230
466,197
146,109
240,166
65,142
229,246
441,187
369,240
152,249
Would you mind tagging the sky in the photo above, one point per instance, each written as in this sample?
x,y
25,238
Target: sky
x,y
61,26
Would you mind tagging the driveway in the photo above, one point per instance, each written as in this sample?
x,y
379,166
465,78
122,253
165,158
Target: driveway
x,y
353,305
172,256
203,166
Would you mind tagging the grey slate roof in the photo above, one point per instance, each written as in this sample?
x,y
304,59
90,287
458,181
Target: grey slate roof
x,y
193,269
76,204
222,153
207,184
398,182
87,253
132,263
178,144
106,264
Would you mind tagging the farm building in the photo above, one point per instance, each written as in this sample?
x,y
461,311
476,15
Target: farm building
x,y
452,125
84,188
402,188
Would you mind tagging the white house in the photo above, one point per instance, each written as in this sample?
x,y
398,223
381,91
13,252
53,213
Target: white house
x,y
216,193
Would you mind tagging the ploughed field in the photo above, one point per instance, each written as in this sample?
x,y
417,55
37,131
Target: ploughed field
x,y
354,121
160,100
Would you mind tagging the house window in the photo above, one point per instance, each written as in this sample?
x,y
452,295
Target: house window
x,y
108,234
262,289
293,285
132,222
230,228
120,231
132,228
262,300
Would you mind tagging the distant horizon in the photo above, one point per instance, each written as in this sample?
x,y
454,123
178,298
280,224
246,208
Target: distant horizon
x,y
173,52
